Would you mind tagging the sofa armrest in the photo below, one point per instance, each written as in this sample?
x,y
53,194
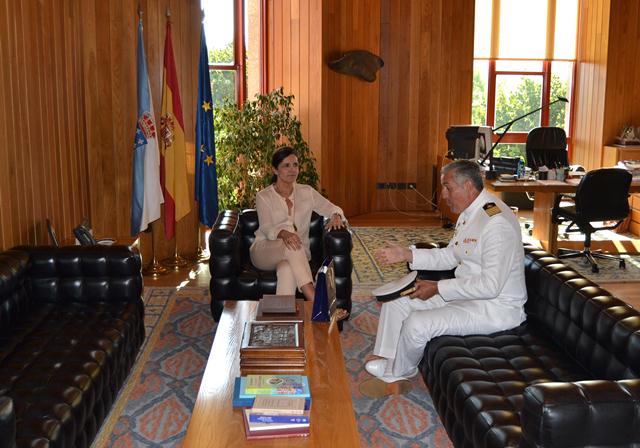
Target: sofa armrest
x,y
584,413
7,423
84,273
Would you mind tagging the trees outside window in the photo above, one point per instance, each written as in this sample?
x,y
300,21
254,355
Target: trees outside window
x,y
234,39
524,57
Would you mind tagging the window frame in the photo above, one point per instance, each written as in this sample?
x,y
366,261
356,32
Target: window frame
x,y
518,136
239,66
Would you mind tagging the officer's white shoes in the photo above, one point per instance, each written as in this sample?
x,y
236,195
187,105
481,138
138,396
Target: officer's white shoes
x,y
393,379
378,368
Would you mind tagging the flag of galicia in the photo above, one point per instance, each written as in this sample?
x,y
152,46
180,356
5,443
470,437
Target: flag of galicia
x,y
206,187
146,195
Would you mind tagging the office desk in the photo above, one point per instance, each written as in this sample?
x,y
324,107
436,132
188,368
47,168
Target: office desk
x,y
546,191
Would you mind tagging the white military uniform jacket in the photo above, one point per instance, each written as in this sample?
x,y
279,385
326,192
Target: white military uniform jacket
x,y
486,250
487,294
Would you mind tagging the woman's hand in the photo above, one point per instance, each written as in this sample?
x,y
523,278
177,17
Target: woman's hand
x,y
335,222
291,240
393,253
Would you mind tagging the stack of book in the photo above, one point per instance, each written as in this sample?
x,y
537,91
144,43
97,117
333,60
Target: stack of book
x,y
275,307
274,405
272,347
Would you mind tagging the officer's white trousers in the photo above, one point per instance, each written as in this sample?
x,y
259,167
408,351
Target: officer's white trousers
x,y
407,325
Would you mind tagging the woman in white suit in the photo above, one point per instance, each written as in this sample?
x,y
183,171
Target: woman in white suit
x,y
284,213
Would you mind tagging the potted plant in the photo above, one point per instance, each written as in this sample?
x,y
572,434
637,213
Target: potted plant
x,y
245,141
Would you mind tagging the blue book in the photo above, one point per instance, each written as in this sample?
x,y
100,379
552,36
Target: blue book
x,y
305,389
240,402
264,418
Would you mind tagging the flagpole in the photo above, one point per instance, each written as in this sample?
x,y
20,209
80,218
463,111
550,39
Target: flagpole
x,y
154,269
202,255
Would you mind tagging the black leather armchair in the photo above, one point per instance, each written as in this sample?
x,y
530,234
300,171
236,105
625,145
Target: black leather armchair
x,y
71,325
233,277
602,195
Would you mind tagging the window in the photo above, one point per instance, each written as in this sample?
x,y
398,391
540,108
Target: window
x,y
524,58
234,40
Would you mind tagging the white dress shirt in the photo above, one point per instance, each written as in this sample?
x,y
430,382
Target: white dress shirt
x,y
273,212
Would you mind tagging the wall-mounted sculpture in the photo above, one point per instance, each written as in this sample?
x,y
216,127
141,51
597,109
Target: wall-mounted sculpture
x,y
359,63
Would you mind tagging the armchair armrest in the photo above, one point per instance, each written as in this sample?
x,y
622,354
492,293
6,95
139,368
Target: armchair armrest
x,y
224,245
7,423
584,413
337,243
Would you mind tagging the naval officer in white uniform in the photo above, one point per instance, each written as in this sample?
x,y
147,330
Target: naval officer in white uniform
x,y
487,294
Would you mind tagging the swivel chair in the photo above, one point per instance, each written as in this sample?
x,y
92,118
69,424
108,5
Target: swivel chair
x,y
546,146
602,195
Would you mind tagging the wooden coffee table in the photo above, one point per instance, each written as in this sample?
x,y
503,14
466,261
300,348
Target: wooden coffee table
x,y
214,421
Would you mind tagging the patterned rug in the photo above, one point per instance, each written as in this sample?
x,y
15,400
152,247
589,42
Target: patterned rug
x,y
407,420
154,406
367,239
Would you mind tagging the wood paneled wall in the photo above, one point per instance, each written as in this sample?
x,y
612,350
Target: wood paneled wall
x,y
608,76
350,107
68,113
591,76
391,130
622,102
43,158
294,53
425,88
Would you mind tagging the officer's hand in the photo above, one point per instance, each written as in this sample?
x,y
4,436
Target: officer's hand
x,y
425,289
393,253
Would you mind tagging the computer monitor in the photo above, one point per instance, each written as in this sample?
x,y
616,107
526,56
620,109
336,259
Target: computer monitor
x,y
468,141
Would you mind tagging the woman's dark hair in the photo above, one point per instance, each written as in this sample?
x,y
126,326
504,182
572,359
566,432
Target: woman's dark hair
x,y
277,158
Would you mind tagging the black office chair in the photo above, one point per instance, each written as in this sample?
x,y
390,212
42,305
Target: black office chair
x,y
602,195
546,146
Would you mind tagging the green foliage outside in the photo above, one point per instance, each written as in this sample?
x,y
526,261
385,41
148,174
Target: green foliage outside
x,y
245,141
510,105
223,82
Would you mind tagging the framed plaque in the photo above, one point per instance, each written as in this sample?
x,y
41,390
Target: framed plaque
x,y
272,335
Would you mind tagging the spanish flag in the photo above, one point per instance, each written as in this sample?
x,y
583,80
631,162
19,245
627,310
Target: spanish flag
x,y
173,157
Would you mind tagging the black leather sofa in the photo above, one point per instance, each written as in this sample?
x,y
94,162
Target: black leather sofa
x,y
71,324
566,377
233,277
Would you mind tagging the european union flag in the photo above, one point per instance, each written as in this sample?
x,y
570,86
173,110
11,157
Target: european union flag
x,y
206,179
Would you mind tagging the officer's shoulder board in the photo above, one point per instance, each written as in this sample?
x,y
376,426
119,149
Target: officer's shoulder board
x,y
491,208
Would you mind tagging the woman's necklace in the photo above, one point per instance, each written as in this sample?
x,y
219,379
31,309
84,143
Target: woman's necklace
x,y
290,205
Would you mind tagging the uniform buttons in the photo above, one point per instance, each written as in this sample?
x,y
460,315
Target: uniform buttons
x,y
456,243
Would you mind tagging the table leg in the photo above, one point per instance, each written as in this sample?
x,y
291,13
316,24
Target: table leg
x,y
544,229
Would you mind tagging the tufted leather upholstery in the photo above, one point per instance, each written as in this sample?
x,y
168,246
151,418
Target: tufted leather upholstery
x,y
71,324
233,277
566,377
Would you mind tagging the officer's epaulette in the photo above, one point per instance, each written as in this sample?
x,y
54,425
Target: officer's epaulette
x,y
491,208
